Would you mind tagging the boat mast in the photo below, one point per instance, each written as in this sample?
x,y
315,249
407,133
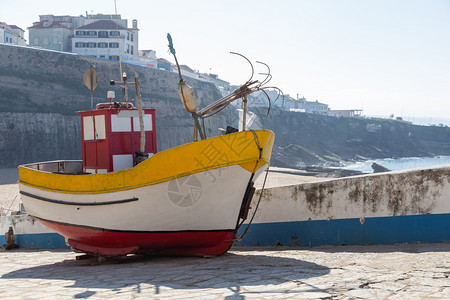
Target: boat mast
x,y
141,119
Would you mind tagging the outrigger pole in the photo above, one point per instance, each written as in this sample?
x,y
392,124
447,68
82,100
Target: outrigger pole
x,y
250,86
187,96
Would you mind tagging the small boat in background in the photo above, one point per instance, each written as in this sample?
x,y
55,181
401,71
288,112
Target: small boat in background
x,y
124,197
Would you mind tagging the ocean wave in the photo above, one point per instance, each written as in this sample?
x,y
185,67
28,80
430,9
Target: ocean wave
x,y
396,164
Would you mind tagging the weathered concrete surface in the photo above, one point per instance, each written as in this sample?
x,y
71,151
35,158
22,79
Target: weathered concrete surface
x,y
372,272
22,224
400,193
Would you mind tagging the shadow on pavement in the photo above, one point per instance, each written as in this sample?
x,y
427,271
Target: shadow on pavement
x,y
406,248
230,271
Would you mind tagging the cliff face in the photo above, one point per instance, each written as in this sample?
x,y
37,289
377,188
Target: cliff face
x,y
34,137
41,90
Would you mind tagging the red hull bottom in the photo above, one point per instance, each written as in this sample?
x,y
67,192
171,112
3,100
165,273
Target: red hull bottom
x,y
99,242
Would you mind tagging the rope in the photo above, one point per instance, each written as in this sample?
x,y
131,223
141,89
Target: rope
x,y
257,142
203,124
239,238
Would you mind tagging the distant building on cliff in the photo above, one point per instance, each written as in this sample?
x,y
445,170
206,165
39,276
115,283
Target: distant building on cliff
x,y
150,58
100,36
286,102
222,85
164,64
54,32
261,99
12,34
346,112
316,107
107,36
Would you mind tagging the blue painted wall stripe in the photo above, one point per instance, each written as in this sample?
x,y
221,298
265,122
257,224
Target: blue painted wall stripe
x,y
38,241
380,230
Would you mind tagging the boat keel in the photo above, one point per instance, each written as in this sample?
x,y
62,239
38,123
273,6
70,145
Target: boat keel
x,y
99,242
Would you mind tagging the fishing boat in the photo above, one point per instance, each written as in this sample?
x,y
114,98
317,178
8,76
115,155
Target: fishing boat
x,y
124,197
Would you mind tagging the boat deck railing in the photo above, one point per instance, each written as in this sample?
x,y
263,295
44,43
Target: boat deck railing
x,y
58,166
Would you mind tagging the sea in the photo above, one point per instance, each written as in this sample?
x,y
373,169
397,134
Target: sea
x,y
399,163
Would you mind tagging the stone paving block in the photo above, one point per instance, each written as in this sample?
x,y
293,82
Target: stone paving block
x,y
442,294
397,272
429,281
388,286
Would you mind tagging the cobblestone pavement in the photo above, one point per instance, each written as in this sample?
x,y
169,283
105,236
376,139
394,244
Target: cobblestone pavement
x,y
346,272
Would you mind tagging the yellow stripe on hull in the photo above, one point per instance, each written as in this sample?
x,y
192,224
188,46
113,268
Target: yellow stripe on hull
x,y
241,148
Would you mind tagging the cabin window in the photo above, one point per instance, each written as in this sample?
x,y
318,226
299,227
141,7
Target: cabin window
x,y
120,124
148,123
88,128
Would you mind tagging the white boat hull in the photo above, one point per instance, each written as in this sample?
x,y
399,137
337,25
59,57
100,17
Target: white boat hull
x,y
208,200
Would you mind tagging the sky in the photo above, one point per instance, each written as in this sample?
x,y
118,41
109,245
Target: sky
x,y
385,57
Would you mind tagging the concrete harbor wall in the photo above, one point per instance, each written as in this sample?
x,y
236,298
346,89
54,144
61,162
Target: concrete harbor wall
x,y
386,208
30,234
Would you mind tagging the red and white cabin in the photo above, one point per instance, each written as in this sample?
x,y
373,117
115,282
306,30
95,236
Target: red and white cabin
x,y
111,137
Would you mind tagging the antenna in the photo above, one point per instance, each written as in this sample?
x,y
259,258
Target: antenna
x,y
118,44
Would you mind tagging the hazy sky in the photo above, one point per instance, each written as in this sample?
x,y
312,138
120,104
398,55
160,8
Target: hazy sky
x,y
386,57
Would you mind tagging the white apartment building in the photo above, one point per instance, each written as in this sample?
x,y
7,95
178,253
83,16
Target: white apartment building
x,y
104,38
286,102
12,34
315,107
148,57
